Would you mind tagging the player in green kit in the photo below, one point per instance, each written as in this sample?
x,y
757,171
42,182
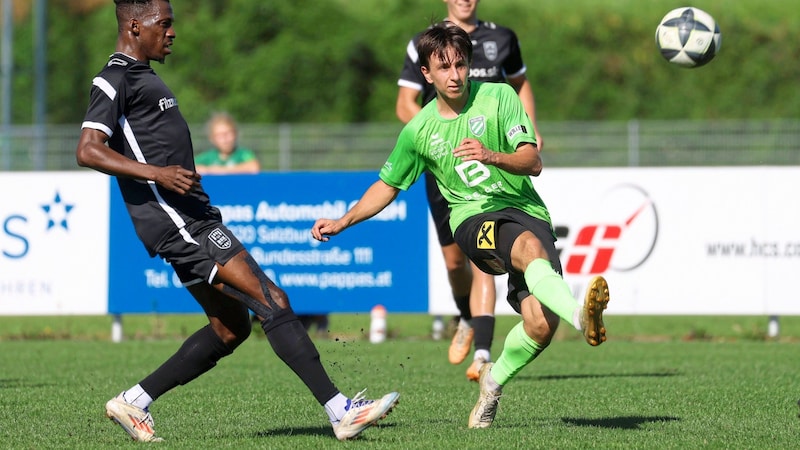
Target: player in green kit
x,y
476,139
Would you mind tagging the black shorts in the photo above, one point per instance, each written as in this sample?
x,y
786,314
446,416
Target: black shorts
x,y
487,240
440,210
194,252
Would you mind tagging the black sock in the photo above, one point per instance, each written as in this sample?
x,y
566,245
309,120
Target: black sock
x,y
290,341
198,354
462,303
484,332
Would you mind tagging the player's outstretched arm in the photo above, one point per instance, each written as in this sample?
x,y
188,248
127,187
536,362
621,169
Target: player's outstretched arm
x,y
374,200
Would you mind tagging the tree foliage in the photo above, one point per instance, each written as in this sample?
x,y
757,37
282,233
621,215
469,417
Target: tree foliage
x,y
338,61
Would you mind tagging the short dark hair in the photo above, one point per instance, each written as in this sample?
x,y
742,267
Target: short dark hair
x,y
438,37
127,9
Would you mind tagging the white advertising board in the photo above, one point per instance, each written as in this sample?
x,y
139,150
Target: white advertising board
x,y
689,241
53,243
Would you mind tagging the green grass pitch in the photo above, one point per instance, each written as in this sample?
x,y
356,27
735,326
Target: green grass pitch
x,y
684,382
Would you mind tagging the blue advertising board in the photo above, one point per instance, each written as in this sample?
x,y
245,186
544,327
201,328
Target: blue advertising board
x,y
381,261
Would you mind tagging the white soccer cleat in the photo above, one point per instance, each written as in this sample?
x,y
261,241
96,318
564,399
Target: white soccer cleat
x,y
137,422
362,413
485,409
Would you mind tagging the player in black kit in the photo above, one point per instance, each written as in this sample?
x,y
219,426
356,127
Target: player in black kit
x,y
497,58
134,130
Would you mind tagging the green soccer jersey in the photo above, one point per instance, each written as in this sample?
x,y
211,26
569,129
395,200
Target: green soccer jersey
x,y
211,158
494,115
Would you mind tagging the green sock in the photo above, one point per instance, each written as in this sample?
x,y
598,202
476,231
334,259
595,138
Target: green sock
x,y
550,289
518,350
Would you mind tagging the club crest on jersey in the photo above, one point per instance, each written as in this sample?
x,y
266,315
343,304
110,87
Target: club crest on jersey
x,y
486,236
490,50
220,239
477,125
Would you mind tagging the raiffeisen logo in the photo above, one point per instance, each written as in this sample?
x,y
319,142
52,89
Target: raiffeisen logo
x,y
619,234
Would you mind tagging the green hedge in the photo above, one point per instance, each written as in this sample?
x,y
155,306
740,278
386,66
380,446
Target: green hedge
x,y
338,61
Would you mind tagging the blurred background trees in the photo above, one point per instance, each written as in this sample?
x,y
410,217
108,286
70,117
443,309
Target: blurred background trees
x,y
338,61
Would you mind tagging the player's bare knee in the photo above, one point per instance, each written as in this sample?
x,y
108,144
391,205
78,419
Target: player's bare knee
x,y
540,330
526,248
229,338
233,333
279,296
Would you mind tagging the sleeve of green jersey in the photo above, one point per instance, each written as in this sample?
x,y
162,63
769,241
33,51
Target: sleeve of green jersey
x,y
404,165
515,122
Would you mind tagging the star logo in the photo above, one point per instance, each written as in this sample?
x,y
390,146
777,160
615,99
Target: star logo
x,y
57,212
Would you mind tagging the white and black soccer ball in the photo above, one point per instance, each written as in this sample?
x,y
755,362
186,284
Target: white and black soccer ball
x,y
688,37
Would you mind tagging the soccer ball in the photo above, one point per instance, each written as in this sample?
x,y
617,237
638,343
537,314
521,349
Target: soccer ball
x,y
688,37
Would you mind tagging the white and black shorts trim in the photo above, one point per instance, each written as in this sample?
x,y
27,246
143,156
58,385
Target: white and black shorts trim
x,y
195,252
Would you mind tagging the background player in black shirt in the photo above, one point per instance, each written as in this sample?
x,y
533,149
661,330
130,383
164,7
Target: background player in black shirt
x,y
497,58
134,130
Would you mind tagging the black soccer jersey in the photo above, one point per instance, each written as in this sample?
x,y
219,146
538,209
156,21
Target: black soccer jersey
x,y
495,57
139,113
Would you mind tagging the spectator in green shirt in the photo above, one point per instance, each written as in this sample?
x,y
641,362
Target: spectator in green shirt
x,y
227,156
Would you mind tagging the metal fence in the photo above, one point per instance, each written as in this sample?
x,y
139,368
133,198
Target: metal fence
x,y
313,146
